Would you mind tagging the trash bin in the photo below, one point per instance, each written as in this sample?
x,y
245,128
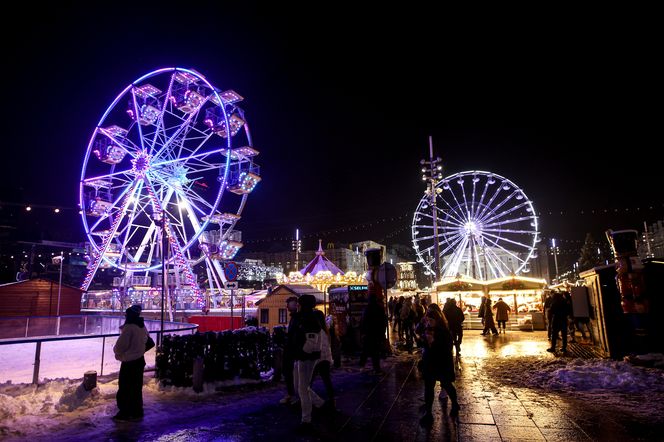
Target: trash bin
x,y
89,380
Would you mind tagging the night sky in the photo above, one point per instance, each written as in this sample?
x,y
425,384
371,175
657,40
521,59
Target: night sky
x,y
341,102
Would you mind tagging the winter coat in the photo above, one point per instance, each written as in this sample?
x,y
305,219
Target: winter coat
x,y
307,323
374,322
131,343
291,344
560,309
454,315
502,311
437,360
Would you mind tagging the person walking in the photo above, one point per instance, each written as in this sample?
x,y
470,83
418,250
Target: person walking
x,y
489,324
408,323
373,326
397,317
289,352
437,363
455,317
308,348
482,309
129,350
502,313
559,312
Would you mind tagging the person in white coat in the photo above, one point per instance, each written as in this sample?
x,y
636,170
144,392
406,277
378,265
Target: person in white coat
x,y
129,349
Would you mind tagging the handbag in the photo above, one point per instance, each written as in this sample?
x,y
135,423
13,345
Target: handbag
x,y
149,344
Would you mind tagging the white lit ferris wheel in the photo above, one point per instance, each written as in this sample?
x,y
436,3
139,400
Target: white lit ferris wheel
x,y
487,227
172,159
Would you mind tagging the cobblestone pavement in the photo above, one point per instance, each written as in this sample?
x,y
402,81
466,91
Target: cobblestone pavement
x,y
388,407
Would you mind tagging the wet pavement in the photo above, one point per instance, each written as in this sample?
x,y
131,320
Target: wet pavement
x,y
388,407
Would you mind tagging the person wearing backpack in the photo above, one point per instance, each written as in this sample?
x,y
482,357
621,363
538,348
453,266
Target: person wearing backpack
x,y
309,341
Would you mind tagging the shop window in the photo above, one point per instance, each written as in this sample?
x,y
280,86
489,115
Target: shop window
x,y
283,316
265,315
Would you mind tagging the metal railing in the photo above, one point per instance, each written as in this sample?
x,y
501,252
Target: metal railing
x,y
41,329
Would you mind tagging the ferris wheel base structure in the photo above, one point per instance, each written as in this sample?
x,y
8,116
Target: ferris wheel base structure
x,y
483,225
165,178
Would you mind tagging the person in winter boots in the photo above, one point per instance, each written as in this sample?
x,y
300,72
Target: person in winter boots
x,y
502,313
129,349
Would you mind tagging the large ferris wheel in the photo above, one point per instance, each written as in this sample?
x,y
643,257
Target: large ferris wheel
x,y
165,178
486,227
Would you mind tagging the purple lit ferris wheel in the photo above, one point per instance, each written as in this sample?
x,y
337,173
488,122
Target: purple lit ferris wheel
x,y
172,155
487,227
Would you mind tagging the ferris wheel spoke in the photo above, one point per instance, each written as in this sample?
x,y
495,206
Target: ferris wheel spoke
x,y
494,210
465,201
509,252
116,175
487,206
178,132
479,203
160,121
451,214
531,232
495,263
191,194
458,206
454,262
496,216
185,159
510,221
113,206
131,218
472,201
495,220
526,246
477,259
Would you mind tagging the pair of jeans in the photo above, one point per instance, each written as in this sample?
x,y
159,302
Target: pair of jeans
x,y
323,369
303,374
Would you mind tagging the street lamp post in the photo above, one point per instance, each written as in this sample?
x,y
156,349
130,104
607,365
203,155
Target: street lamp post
x,y
432,173
555,255
57,312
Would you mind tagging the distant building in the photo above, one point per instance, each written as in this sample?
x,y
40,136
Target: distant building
x,y
655,234
271,310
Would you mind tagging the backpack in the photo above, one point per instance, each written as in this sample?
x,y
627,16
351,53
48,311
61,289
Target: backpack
x,y
313,342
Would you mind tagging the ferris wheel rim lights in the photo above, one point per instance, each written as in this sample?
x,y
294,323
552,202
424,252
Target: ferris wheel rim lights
x,y
470,222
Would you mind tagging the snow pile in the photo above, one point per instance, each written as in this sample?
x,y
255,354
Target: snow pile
x,y
578,375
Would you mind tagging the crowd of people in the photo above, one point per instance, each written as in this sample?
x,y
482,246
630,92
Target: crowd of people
x,y
437,331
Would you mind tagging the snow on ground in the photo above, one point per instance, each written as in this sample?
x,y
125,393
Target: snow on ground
x,y
578,375
28,410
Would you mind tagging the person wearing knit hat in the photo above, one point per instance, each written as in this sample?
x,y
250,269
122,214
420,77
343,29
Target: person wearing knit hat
x,y
129,350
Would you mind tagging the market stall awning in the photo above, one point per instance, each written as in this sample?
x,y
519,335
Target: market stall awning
x,y
460,283
516,283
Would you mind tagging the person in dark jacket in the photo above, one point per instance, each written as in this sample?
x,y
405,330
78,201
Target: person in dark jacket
x,y
373,326
307,328
129,349
397,317
289,352
437,363
558,312
455,319
489,323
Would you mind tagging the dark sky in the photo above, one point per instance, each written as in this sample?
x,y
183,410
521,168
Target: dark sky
x,y
341,102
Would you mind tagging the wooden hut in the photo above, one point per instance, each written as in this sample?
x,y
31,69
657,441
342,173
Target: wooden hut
x,y
272,309
38,297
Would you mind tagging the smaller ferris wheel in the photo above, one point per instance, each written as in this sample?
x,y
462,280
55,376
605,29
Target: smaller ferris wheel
x,y
486,227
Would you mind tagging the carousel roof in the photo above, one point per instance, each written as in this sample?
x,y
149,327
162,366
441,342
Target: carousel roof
x,y
320,263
